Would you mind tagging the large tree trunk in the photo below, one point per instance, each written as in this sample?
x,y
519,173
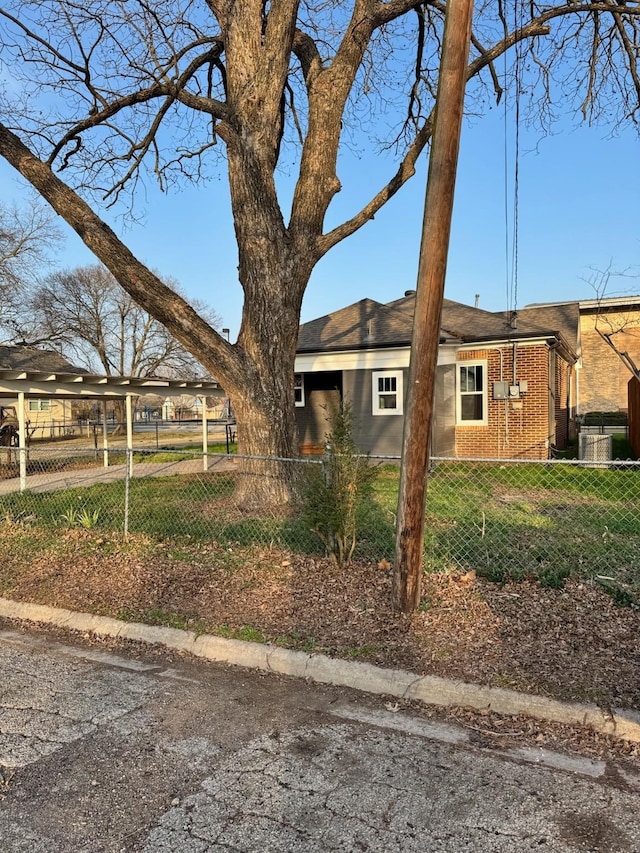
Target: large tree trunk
x,y
274,270
264,405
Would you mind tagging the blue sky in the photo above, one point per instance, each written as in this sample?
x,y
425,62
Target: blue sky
x,y
579,192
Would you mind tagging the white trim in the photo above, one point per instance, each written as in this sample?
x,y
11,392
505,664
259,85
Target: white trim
x,y
39,384
205,436
299,404
129,411
22,442
631,299
377,393
497,345
393,358
485,395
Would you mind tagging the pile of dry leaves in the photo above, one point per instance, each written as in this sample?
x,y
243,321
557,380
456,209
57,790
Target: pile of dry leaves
x,y
573,643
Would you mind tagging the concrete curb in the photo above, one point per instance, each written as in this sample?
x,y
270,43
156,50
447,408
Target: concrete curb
x,y
429,689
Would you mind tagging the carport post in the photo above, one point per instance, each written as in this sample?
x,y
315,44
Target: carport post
x,y
129,433
105,435
205,435
22,442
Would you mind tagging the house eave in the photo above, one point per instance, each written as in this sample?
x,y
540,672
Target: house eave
x,y
367,346
556,339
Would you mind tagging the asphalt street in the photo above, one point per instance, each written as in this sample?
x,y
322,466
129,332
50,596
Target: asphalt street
x,y
135,750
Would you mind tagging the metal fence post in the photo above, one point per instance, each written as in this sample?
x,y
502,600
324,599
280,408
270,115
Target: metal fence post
x,y
127,483
327,471
22,453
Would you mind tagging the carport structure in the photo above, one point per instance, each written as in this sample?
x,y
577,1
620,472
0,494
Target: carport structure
x,y
21,385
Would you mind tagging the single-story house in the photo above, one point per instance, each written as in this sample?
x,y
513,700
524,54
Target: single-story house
x,y
59,415
505,385
46,416
27,374
185,407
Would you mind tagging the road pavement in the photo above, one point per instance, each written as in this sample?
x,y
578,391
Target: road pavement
x,y
143,750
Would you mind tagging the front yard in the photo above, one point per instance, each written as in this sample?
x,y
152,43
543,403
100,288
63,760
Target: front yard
x,y
526,571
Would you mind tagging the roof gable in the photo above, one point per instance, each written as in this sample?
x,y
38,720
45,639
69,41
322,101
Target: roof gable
x,y
364,324
368,324
36,360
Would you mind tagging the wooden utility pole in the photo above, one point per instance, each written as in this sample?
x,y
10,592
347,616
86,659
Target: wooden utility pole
x,y
430,292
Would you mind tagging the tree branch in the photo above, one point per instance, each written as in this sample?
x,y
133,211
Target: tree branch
x,y
217,354
158,90
405,171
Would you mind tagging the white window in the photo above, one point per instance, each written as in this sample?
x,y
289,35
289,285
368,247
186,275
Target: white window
x,y
39,405
387,392
471,399
298,389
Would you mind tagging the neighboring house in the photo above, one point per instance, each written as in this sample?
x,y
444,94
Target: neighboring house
x,y
46,416
189,406
602,376
504,385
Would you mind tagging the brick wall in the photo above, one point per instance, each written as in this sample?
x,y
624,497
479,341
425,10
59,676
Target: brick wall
x,y
516,428
604,377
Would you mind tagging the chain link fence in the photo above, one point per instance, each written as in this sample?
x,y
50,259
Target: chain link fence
x,y
503,519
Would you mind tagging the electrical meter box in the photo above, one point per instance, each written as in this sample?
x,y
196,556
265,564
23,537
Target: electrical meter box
x,y
500,390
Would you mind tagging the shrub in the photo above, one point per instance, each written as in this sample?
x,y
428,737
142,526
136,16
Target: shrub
x,y
333,494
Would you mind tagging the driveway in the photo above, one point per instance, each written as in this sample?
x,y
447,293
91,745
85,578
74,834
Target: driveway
x,y
74,478
126,749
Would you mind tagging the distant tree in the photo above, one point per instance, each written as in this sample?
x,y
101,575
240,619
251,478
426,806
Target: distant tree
x,y
90,319
106,92
28,240
95,323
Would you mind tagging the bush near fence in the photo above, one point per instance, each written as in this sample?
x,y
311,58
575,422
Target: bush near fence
x,y
503,519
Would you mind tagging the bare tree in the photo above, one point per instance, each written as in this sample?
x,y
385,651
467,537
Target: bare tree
x,y
85,314
28,240
108,92
90,319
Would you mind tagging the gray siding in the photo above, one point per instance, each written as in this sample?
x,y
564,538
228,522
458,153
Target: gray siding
x,y
380,435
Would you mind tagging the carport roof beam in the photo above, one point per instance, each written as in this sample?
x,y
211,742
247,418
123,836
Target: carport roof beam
x,y
47,384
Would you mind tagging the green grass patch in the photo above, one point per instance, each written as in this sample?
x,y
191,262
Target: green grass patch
x,y
547,521
244,632
297,641
162,618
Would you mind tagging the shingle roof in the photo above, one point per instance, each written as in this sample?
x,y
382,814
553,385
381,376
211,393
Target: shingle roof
x,y
36,360
563,318
361,325
370,324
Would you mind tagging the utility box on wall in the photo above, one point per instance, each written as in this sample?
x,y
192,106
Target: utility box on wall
x,y
500,390
509,391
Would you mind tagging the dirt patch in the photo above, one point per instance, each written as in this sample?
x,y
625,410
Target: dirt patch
x,y
573,643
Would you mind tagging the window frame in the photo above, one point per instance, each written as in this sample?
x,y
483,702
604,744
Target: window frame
x,y
483,363
36,404
398,375
299,404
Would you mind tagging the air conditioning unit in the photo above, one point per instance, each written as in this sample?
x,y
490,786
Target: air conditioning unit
x,y
595,448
